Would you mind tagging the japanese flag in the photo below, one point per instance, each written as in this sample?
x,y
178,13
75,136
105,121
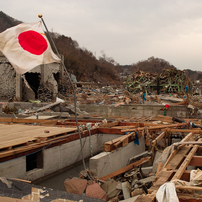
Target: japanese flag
x,y
26,47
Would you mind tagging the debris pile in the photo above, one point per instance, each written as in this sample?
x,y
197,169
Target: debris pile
x,y
123,186
45,92
137,178
169,81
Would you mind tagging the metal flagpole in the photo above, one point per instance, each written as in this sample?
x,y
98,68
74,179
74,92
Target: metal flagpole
x,y
41,17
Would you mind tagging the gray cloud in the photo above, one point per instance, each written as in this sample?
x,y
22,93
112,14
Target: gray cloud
x,y
129,31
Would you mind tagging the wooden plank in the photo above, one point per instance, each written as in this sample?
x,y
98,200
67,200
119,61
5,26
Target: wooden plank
x,y
139,124
147,198
157,139
23,150
170,118
185,163
189,188
9,199
115,123
160,166
165,117
194,130
108,146
165,175
114,140
125,137
187,143
123,170
123,127
189,136
153,127
178,158
162,178
124,142
18,120
110,131
12,135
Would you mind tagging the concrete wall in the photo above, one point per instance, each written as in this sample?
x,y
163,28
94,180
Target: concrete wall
x,y
108,162
136,111
55,158
7,79
14,169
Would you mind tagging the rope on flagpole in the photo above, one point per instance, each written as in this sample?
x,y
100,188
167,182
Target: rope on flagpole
x,y
41,17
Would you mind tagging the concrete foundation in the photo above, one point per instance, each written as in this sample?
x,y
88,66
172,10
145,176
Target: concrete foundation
x,y
55,158
108,162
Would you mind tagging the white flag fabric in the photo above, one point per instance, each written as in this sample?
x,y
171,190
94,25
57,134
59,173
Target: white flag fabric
x,y
26,46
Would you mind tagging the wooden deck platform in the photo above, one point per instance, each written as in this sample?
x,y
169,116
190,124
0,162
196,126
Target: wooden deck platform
x,y
19,134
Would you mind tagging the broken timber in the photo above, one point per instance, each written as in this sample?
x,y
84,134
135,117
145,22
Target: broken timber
x,y
123,170
175,168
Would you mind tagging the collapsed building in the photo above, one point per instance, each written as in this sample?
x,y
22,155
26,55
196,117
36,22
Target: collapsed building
x,y
169,81
43,82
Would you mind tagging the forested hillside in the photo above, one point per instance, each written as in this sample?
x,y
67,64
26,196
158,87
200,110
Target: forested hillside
x,y
152,65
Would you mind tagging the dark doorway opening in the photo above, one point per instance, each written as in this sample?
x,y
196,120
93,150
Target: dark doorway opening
x,y
57,76
34,81
34,161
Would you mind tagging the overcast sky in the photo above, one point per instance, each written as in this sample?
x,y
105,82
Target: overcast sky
x,y
126,30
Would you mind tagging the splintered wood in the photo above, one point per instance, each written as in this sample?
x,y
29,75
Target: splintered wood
x,y
159,136
185,154
151,131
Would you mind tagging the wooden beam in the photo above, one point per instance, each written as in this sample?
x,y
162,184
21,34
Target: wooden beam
x,y
185,163
116,123
189,188
196,161
194,130
157,139
110,131
153,127
123,127
125,169
165,117
10,199
109,146
199,151
176,150
132,124
124,138
170,118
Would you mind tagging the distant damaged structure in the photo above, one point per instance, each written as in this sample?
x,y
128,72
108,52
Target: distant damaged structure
x,y
43,82
169,81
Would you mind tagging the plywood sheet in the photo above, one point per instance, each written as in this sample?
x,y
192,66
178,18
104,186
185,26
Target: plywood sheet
x,y
17,134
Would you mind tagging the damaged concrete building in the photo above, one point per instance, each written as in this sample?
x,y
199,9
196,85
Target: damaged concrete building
x,y
31,85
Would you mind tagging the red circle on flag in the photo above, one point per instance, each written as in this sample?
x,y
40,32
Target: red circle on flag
x,y
33,42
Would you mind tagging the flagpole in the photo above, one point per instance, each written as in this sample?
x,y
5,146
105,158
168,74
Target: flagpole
x,y
41,17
